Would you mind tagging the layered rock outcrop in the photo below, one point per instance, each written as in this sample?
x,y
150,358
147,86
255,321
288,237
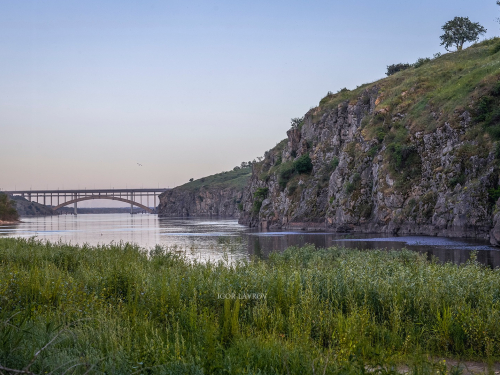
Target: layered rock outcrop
x,y
216,195
399,181
203,202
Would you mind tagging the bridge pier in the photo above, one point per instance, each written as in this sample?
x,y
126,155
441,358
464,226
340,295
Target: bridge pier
x,y
75,206
131,205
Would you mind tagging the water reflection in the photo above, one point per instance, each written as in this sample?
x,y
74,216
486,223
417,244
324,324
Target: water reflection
x,y
220,239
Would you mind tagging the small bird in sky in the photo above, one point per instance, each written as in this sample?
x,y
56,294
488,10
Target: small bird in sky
x,y
139,164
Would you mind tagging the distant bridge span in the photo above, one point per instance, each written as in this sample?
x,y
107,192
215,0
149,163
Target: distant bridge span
x,y
90,197
132,196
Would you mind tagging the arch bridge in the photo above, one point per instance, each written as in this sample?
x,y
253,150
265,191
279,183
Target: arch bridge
x,y
135,197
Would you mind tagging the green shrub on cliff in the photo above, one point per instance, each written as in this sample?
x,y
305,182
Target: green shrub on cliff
x,y
259,195
8,210
303,164
287,170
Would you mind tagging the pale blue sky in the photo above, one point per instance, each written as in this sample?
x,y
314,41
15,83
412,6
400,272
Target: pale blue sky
x,y
188,89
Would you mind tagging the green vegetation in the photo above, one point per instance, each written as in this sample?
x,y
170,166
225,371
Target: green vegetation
x,y
119,309
303,165
352,185
296,123
237,178
487,112
7,208
334,164
459,31
421,61
434,93
394,68
259,195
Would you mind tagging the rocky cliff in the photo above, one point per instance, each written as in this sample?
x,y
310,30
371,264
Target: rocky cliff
x,y
217,195
415,153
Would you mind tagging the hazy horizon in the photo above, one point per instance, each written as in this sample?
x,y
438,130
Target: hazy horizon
x,y
92,88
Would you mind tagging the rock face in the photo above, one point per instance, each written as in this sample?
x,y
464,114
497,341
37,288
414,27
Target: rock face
x,y
26,208
216,195
372,171
203,202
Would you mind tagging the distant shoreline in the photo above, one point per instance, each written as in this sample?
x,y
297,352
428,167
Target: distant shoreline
x,y
3,222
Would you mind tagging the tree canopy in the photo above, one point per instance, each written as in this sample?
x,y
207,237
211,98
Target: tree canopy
x,y
459,31
7,208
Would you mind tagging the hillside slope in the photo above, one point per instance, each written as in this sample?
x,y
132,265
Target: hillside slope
x,y
416,152
26,208
216,195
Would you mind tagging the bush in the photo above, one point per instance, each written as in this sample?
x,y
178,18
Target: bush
x,y
349,187
401,155
460,179
256,207
493,195
259,195
297,122
303,164
353,184
394,68
286,173
421,61
334,164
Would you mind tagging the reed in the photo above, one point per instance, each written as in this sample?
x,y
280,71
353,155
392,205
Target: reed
x,y
122,309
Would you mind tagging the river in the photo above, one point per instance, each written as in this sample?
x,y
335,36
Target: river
x,y
216,239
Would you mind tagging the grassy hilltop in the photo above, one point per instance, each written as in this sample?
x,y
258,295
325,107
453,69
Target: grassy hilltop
x,y
237,178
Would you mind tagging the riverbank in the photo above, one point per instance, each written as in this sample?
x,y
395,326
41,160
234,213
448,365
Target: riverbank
x,y
5,222
122,310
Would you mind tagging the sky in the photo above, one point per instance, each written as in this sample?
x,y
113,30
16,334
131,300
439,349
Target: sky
x,y
186,88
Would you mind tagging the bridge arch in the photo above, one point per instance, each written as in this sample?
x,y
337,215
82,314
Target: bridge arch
x,y
90,197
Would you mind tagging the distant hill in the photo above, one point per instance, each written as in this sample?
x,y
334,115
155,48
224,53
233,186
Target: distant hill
x,y
216,195
26,208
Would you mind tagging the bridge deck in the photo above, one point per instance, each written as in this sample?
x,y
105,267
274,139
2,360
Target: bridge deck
x,y
88,191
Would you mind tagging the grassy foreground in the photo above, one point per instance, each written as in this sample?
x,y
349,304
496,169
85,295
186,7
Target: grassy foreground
x,y
119,310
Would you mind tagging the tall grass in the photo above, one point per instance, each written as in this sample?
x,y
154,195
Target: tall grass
x,y
121,309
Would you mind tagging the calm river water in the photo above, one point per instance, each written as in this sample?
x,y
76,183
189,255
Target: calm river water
x,y
215,239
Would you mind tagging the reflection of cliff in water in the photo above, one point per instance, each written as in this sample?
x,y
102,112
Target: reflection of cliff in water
x,y
457,251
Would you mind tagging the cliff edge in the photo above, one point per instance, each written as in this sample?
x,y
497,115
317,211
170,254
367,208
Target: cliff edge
x,y
417,152
216,195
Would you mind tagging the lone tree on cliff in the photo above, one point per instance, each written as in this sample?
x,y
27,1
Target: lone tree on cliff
x,y
459,31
